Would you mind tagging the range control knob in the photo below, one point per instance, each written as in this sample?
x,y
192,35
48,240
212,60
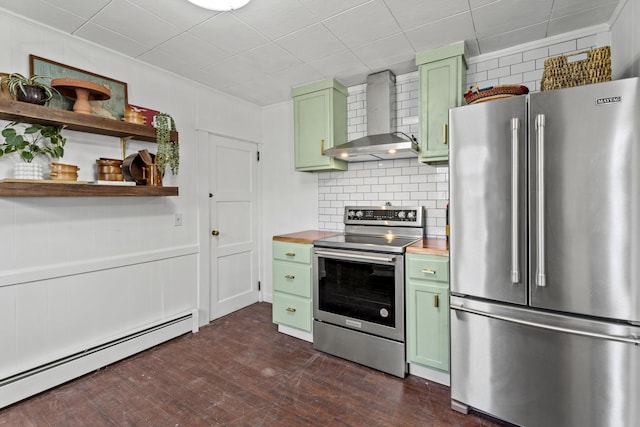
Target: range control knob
x,y
351,214
402,214
359,214
411,215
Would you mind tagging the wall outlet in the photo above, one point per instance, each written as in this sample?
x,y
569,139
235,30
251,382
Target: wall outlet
x,y
177,221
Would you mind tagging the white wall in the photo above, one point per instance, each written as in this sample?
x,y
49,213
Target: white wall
x,y
625,39
80,269
289,198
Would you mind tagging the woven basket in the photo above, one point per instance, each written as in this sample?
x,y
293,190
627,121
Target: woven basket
x,y
475,95
559,72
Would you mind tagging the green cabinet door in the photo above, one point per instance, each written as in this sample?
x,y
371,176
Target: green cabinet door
x,y
320,122
292,285
428,327
427,302
442,77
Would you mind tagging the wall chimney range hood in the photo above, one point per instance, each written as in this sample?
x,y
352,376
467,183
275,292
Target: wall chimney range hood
x,y
380,143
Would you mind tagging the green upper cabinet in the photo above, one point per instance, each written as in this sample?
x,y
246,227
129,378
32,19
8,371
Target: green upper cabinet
x,y
442,74
320,122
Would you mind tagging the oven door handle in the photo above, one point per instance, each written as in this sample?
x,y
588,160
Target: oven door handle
x,y
347,256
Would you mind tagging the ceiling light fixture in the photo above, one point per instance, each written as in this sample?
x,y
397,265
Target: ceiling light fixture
x,y
220,5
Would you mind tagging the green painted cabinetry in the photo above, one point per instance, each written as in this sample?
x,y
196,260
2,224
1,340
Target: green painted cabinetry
x,y
427,301
320,122
292,285
442,75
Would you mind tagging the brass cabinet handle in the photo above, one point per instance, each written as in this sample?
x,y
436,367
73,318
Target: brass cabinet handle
x,y
444,133
290,254
436,301
322,147
215,233
428,271
291,309
290,276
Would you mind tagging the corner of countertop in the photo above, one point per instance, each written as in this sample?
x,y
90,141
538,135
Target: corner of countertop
x,y
430,246
305,237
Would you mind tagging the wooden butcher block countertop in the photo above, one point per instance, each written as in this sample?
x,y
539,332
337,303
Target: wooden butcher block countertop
x,y
430,246
305,237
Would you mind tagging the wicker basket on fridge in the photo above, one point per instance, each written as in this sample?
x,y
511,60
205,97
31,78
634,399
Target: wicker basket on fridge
x,y
560,71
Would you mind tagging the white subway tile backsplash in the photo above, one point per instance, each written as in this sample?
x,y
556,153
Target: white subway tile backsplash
x,y
510,59
487,65
564,47
406,181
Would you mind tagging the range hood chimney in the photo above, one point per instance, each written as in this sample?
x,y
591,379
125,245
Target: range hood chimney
x,y
380,143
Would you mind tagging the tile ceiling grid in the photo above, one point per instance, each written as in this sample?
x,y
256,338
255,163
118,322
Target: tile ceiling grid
x,y
262,50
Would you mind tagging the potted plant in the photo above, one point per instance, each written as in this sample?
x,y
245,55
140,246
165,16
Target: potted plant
x,y
28,89
168,150
35,140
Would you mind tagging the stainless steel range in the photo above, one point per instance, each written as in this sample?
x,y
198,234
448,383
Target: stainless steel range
x,y
358,286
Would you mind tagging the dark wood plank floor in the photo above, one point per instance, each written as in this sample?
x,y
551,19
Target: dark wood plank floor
x,y
239,371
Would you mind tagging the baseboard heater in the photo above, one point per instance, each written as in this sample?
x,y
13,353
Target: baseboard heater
x,y
32,381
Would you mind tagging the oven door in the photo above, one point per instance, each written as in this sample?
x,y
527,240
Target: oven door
x,y
360,290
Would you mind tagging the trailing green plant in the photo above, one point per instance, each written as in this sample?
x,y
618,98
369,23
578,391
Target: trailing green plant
x,y
16,82
35,140
168,150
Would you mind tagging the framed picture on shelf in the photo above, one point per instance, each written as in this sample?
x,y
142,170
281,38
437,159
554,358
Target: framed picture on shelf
x,y
147,113
112,108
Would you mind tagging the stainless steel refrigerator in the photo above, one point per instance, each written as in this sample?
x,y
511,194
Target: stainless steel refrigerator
x,y
545,256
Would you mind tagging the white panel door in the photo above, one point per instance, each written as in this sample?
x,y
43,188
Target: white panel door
x,y
233,225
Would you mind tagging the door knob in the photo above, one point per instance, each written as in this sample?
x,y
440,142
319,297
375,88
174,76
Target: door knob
x,y
215,233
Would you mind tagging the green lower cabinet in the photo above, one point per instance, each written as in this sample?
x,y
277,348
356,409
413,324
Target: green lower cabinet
x,y
293,311
427,303
292,285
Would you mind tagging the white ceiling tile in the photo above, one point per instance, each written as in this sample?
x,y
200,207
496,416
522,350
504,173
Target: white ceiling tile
x,y
131,21
44,12
234,70
412,13
512,38
181,13
568,7
390,50
285,16
341,63
363,24
580,20
228,33
263,91
298,75
479,3
438,33
269,58
325,8
508,15
291,41
311,43
111,39
189,49
85,9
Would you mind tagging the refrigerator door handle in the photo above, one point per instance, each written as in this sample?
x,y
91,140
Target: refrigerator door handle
x,y
515,197
541,279
627,339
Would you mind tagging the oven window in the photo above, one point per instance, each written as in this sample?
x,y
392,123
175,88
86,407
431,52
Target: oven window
x,y
359,290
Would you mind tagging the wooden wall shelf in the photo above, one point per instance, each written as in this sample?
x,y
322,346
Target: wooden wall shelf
x,y
35,189
31,113
17,111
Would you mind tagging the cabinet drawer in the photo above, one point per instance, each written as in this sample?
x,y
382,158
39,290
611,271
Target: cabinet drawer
x,y
427,267
295,252
292,311
292,278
